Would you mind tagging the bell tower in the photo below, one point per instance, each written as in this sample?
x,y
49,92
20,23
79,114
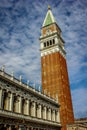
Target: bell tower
x,y
54,68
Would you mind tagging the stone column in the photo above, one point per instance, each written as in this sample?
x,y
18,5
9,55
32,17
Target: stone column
x,y
11,102
26,111
12,106
1,98
20,104
39,111
9,128
33,109
7,102
53,115
57,116
49,114
19,128
16,104
44,112
27,128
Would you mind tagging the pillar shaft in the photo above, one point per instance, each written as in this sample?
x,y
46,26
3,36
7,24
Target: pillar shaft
x,y
26,107
1,98
53,115
19,128
12,106
49,114
39,111
20,104
7,102
57,116
16,105
11,102
9,128
33,109
44,112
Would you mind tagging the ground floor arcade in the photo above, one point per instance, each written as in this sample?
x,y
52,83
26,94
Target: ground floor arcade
x,y
7,123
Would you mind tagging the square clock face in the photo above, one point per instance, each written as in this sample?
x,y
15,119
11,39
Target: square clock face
x,y
48,31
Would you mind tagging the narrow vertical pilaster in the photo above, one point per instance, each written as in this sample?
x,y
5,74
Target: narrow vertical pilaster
x,y
27,107
11,102
20,104
44,112
6,103
53,115
39,111
1,98
19,128
57,116
33,109
9,128
49,114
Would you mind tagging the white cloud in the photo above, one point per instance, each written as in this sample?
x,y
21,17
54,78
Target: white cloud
x,y
20,31
79,97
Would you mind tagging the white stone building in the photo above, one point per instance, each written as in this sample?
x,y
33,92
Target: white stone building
x,y
24,108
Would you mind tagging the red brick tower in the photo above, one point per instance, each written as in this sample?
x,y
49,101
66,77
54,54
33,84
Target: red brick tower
x,y
54,68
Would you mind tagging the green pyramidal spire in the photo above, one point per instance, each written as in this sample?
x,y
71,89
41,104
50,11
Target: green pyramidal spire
x,y
49,19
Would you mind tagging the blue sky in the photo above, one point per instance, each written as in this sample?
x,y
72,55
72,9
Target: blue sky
x,y
20,26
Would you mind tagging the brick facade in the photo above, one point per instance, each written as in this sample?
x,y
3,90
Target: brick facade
x,y
54,69
55,80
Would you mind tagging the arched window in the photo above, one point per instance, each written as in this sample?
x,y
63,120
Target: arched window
x,y
53,41
50,42
5,101
47,43
44,44
23,106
